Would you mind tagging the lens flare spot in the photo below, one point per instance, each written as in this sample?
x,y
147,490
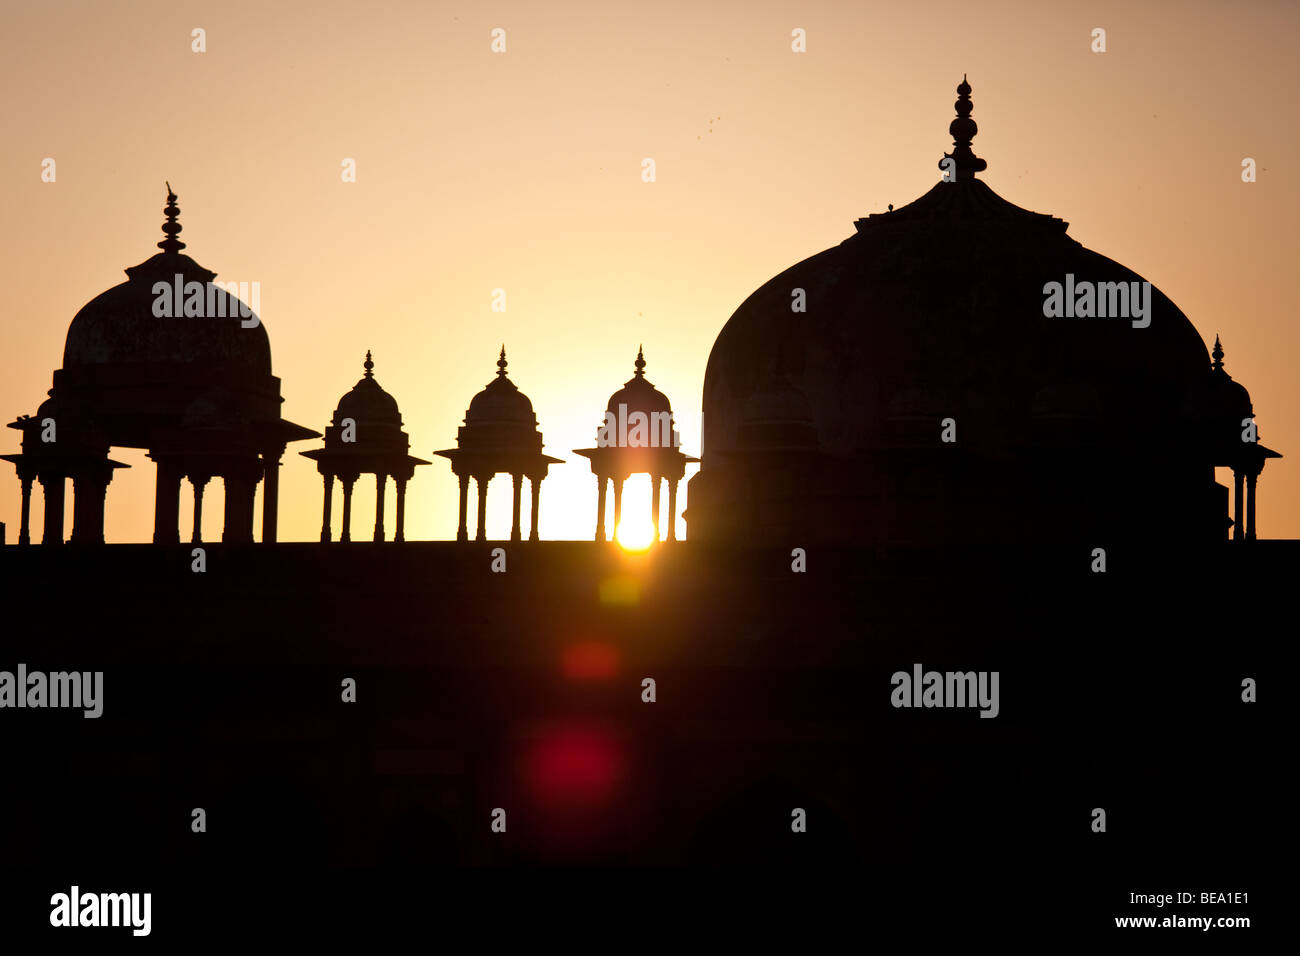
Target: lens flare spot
x,y
590,660
576,767
620,590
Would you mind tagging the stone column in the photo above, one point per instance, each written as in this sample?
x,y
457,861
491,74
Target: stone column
x,y
1238,511
401,509
481,483
654,504
618,504
271,494
325,533
381,483
535,486
601,481
52,492
241,489
462,532
167,503
1250,505
348,482
518,480
199,482
89,487
25,525
672,509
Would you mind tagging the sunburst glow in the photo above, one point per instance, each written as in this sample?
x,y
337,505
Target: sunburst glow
x,y
635,533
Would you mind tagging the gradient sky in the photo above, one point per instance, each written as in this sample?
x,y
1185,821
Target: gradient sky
x,y
522,171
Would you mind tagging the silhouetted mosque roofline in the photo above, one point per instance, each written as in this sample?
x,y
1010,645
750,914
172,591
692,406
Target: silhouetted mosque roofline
x,y
807,413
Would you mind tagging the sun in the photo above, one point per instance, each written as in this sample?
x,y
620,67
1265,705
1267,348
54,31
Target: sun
x,y
635,534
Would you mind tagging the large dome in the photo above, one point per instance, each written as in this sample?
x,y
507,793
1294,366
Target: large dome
x,y
936,311
944,296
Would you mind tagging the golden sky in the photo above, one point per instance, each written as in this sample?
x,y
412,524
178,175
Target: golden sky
x,y
522,171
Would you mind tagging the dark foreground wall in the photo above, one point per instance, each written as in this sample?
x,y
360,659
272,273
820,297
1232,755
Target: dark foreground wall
x,y
523,691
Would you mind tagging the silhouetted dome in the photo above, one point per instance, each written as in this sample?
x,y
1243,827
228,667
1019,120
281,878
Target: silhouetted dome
x,y
137,372
1226,397
367,402
501,402
932,311
943,299
638,395
1220,406
119,327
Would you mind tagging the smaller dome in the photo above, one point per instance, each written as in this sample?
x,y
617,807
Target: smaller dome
x,y
638,395
1227,398
501,402
1217,408
367,402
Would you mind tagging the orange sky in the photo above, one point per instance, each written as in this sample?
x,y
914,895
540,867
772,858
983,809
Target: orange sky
x,y
522,171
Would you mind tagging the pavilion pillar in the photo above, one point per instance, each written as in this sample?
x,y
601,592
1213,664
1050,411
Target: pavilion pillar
x,y
167,504
1250,505
89,487
535,487
462,532
52,492
654,504
672,509
381,483
601,481
241,489
518,480
481,483
618,504
271,494
325,533
199,482
25,525
400,534
1238,511
348,482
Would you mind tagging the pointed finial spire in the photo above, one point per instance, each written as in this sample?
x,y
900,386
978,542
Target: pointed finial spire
x,y
963,130
501,362
640,361
171,228
1217,355
368,365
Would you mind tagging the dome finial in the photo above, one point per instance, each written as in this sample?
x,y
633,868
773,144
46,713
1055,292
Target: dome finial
x,y
501,362
1217,354
368,365
640,361
171,228
963,130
